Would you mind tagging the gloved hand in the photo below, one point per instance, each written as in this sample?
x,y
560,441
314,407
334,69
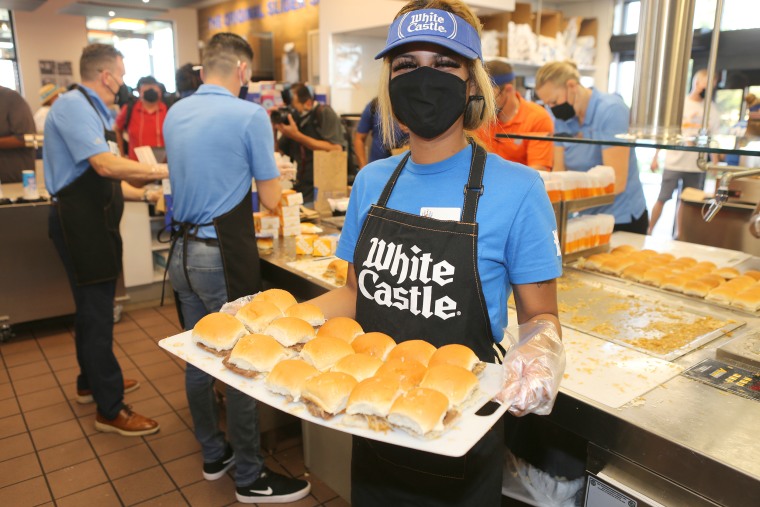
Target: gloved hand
x,y
533,368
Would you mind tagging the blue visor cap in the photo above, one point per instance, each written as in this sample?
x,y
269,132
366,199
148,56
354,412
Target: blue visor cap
x,y
435,26
503,79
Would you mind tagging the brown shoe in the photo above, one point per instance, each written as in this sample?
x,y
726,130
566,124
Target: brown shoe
x,y
127,423
85,395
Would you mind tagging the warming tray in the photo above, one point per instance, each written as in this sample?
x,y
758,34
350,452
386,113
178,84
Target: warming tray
x,y
464,433
636,319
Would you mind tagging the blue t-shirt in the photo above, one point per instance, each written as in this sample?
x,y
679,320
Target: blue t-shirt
x,y
74,132
606,116
370,122
215,144
517,231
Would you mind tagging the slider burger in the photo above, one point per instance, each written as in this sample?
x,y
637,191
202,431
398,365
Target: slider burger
x,y
257,315
324,351
217,333
370,401
458,355
359,366
341,327
326,394
281,298
308,312
420,350
341,273
375,344
290,332
407,372
255,354
455,382
420,412
288,378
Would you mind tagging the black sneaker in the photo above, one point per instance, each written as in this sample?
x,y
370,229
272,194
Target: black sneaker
x,y
215,470
271,487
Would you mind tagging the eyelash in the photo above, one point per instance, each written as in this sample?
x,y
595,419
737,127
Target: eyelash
x,y
409,64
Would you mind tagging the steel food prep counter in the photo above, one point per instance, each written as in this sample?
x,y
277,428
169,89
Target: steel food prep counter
x,y
678,442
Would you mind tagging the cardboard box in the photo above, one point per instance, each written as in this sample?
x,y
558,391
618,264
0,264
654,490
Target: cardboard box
x,y
290,231
305,244
324,246
291,198
289,211
290,222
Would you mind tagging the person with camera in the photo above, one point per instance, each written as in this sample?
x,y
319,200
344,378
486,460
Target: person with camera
x,y
143,120
312,126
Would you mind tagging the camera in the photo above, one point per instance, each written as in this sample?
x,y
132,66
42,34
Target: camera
x,y
280,115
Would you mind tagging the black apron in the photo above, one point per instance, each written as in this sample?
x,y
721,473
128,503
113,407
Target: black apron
x,y
418,279
89,210
236,239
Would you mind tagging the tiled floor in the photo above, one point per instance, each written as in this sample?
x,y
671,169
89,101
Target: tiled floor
x,y
50,453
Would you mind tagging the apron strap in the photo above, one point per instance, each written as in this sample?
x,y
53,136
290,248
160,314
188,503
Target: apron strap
x,y
474,188
383,200
105,127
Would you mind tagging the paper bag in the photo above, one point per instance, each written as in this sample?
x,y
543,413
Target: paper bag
x,y
330,175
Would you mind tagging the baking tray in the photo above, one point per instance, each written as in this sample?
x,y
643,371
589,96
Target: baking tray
x,y
314,267
633,318
688,297
459,438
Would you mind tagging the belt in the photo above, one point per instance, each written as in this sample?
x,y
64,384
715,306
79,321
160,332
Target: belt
x,y
207,241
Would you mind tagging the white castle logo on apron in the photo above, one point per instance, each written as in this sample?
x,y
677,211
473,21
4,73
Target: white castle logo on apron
x,y
418,299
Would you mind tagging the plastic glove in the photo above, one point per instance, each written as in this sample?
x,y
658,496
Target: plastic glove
x,y
533,368
232,307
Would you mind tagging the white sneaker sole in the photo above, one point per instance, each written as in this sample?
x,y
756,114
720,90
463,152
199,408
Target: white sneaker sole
x,y
220,473
107,428
274,499
87,398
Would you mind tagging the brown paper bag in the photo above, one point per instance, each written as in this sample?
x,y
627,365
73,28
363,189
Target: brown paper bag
x,y
330,175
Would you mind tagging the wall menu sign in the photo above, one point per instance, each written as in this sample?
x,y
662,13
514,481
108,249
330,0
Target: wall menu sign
x,y
260,11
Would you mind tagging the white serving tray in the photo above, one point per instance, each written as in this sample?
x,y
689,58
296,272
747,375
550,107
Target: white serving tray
x,y
464,433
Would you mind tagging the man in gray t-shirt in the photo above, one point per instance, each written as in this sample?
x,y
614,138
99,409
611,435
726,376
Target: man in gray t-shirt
x,y
317,127
15,120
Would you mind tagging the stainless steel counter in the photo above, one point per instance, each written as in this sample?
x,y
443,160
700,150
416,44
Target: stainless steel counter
x,y
695,437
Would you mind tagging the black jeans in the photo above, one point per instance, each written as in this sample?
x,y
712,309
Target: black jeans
x,y
99,369
638,225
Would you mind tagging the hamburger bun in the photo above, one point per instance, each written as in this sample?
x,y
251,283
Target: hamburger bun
x,y
281,298
457,355
359,366
752,274
290,331
616,264
420,350
375,344
373,398
407,372
663,258
324,351
675,282
655,276
255,354
257,315
218,333
727,273
702,285
326,394
595,261
341,273
288,378
265,245
706,266
455,382
330,269
341,327
748,299
308,312
636,271
420,411
623,250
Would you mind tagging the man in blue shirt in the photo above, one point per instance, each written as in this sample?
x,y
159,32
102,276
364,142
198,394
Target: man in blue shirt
x,y
82,169
370,123
216,144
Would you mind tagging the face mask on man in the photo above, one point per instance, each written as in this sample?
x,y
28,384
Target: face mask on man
x,y
703,93
428,101
150,95
563,111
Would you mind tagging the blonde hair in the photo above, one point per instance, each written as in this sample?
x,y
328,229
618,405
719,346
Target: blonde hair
x,y
558,73
477,113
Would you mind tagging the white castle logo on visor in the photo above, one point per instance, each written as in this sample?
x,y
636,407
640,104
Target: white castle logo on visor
x,y
415,267
426,22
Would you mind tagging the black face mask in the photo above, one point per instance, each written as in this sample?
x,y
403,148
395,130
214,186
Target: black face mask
x,y
563,111
243,93
702,93
428,101
123,96
150,95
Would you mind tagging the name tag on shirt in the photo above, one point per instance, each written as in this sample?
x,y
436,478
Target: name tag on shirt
x,y
442,213
114,148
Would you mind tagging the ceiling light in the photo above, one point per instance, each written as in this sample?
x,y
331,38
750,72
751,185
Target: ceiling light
x,y
146,1
126,24
112,13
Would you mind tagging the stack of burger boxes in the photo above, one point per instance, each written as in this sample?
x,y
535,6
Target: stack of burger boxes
x,y
290,213
266,223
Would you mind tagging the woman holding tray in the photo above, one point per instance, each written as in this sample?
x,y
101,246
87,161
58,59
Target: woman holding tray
x,y
436,239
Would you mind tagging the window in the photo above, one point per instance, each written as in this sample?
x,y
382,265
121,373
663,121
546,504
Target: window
x,y
8,64
147,46
737,15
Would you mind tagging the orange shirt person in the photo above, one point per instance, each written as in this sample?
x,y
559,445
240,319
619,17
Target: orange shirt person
x,y
515,115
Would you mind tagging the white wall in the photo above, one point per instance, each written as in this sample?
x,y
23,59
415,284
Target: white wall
x,y
46,35
354,99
